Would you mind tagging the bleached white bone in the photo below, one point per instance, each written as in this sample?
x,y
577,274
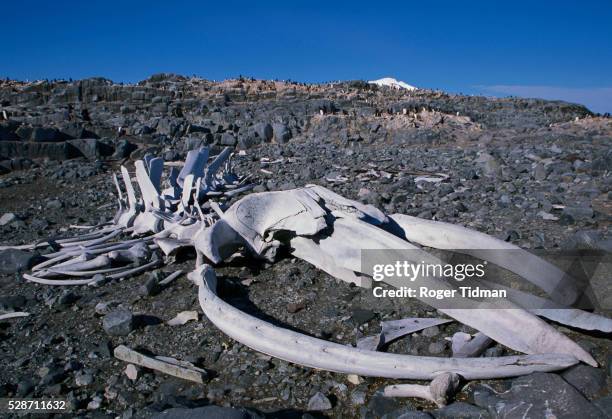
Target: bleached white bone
x,y
182,318
13,315
465,345
181,371
395,329
439,391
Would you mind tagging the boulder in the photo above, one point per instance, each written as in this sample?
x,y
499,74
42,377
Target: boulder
x,y
208,412
282,134
7,131
14,261
228,139
537,395
42,134
263,131
91,148
119,322
32,150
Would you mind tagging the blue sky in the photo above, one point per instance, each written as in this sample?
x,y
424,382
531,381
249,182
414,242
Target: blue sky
x,y
537,48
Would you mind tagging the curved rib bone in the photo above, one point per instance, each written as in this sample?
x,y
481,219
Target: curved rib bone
x,y
317,353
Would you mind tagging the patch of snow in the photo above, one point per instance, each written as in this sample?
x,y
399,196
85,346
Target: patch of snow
x,y
391,82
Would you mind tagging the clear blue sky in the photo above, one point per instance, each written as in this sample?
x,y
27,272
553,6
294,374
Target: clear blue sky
x,y
537,48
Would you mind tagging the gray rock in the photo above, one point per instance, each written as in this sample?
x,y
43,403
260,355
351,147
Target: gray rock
x,y
578,213
539,172
358,397
437,347
407,414
586,379
54,204
538,395
379,405
263,131
605,405
208,412
360,316
490,165
8,218
319,402
47,134
12,302
282,134
228,139
151,286
461,410
83,379
431,331
14,261
119,322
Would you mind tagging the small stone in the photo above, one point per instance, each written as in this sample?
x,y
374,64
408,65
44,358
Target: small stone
x,y
578,213
24,387
95,403
55,204
431,331
103,308
83,379
358,397
150,287
8,218
131,372
361,316
354,379
295,307
319,402
437,347
118,322
539,172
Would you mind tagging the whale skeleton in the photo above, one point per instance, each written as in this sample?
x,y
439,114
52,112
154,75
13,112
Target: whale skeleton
x,y
329,232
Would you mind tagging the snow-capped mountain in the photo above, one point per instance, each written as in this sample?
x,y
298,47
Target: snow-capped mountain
x,y
391,82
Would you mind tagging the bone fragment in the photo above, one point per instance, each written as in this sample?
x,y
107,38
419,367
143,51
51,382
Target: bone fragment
x,y
13,315
167,280
464,345
395,329
128,355
182,318
440,390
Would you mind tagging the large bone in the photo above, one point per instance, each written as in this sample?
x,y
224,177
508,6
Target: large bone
x,y
442,235
498,321
317,353
257,217
306,249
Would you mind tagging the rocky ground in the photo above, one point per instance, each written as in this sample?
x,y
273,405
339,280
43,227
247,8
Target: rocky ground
x,y
532,172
